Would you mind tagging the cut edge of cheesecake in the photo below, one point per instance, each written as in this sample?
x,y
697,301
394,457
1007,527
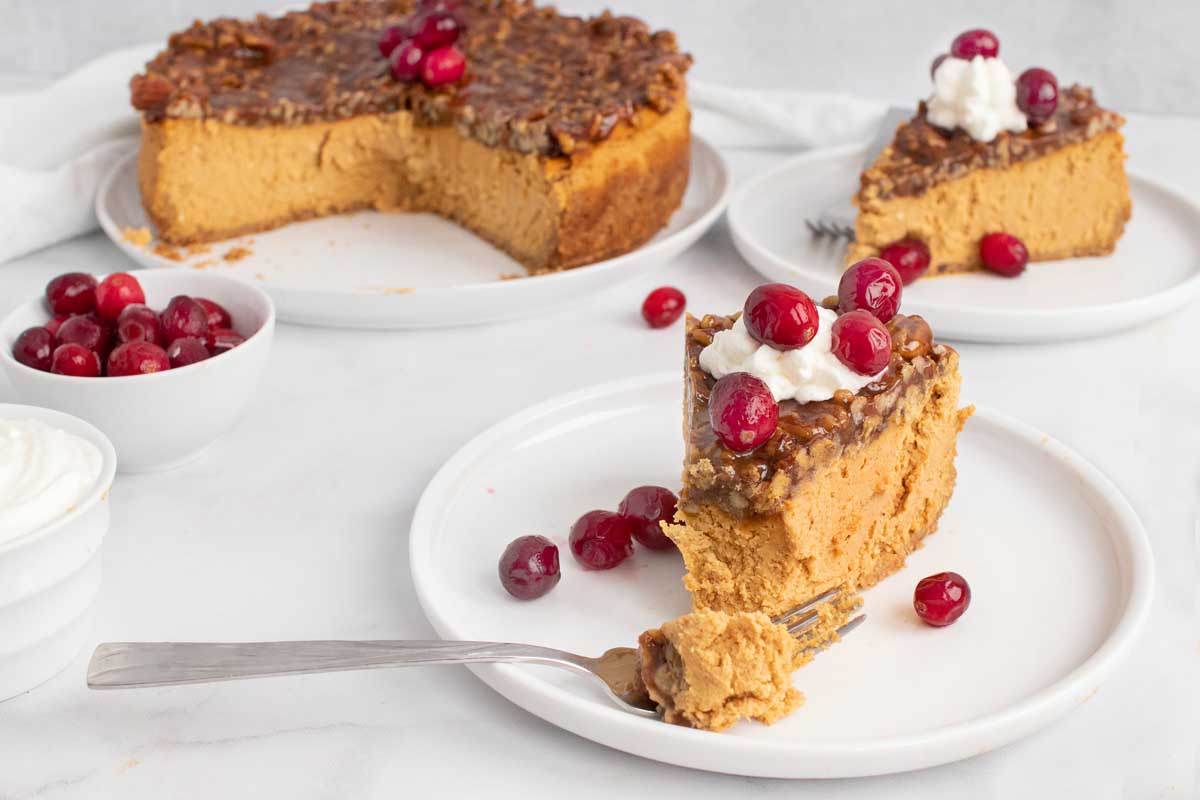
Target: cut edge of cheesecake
x,y
1062,189
843,515
205,180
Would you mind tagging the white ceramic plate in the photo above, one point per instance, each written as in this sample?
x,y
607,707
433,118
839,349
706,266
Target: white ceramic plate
x,y
372,270
1155,269
1058,563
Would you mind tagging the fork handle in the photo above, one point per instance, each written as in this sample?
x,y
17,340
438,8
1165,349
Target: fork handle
x,y
128,665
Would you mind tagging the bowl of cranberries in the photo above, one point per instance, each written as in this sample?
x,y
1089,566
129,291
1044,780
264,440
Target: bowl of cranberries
x,y
164,362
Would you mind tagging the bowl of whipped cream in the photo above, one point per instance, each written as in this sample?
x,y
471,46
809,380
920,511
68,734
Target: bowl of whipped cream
x,y
55,474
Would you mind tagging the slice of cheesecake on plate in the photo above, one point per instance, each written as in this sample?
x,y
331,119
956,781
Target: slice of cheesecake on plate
x,y
847,478
988,153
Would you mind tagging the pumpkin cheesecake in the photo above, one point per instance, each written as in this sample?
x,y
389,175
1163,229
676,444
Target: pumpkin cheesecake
x,y
846,477
565,141
987,154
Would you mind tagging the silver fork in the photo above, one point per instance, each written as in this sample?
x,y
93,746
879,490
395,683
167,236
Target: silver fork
x,y
838,221
132,665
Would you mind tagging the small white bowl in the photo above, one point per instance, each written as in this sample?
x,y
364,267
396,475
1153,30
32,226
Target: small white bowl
x,y
50,577
164,419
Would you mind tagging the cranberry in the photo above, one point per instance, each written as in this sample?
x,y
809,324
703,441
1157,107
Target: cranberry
x,y
138,323
72,293
975,42
663,306
406,61
861,342
910,257
937,62
137,358
1004,254
780,316
187,350
444,65
941,599
183,317
529,567
34,348
221,340
115,292
391,39
75,360
873,285
601,540
56,322
218,317
644,508
742,411
437,29
1037,94
87,332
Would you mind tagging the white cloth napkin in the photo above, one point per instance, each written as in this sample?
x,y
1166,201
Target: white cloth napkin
x,y
57,144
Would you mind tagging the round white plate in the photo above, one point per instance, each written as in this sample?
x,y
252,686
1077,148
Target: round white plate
x,y
1059,566
1154,270
372,270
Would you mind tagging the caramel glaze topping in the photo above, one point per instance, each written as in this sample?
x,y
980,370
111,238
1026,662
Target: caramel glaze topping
x,y
923,155
808,434
536,82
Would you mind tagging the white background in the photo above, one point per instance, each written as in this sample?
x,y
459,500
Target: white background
x,y
295,526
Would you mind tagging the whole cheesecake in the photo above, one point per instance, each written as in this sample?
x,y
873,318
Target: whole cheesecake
x,y
566,142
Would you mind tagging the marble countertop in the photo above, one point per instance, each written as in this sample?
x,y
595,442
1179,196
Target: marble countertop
x,y
295,526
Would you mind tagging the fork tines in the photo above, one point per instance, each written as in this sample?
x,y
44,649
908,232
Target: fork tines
x,y
805,616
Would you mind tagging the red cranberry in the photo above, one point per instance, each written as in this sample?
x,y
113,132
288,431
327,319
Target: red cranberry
x,y
56,322
138,323
187,350
218,317
391,39
861,342
910,257
75,360
221,340
937,62
780,316
183,317
1004,254
137,358
87,332
742,411
438,29
663,306
873,285
941,599
529,567
115,292
1037,94
406,61
644,508
975,42
444,65
72,293
34,348
601,540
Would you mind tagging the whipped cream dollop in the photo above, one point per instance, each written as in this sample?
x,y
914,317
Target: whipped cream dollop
x,y
806,374
44,473
978,96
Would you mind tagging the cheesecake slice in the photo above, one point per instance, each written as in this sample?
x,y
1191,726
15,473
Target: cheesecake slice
x,y
841,492
566,142
1059,186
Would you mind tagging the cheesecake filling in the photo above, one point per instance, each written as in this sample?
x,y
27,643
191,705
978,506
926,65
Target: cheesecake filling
x,y
978,96
807,374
